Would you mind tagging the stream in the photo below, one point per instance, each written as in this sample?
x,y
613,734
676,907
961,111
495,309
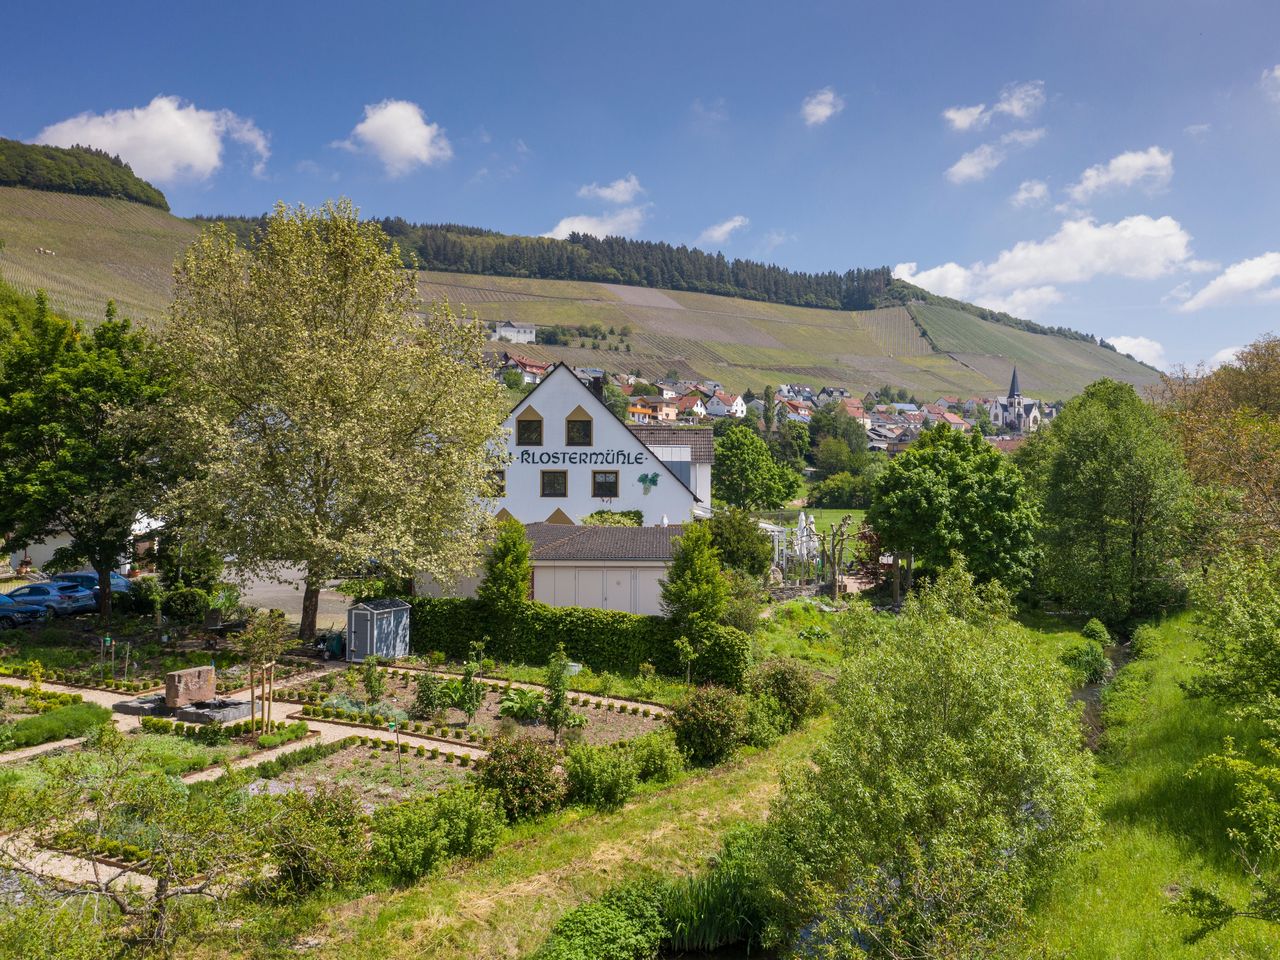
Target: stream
x,y
1091,694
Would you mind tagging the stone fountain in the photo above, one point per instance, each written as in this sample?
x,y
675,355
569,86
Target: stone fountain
x,y
190,696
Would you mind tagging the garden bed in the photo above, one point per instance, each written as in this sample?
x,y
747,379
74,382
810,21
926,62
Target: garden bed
x,y
374,773
339,697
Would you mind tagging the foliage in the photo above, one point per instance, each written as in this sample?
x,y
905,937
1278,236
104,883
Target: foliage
x,y
555,708
763,720
508,570
745,474
524,775
522,704
183,560
429,697
791,685
44,926
744,601
372,679
722,656
1227,422
1087,661
600,777
740,542
616,401
73,720
1096,631
411,839
77,455
694,592
467,692
656,756
614,518
326,436
1114,504
83,170
186,605
719,905
950,494
844,491
317,839
624,924
708,725
950,787
286,734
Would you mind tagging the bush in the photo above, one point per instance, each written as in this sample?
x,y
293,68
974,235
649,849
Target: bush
x,y
744,603
410,839
74,720
1096,631
708,725
624,924
656,756
724,656
600,777
763,721
156,725
791,684
294,731
742,544
144,597
521,704
186,605
523,774
1087,661
718,906
1144,640
317,839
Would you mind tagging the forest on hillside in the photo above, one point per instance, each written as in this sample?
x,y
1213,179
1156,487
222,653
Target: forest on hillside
x,y
81,170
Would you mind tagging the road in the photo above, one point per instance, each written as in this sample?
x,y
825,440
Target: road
x,y
287,596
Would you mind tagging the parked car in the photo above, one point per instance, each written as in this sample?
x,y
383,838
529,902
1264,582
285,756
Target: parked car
x,y
14,613
56,598
89,580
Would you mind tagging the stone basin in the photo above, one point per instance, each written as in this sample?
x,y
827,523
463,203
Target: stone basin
x,y
217,710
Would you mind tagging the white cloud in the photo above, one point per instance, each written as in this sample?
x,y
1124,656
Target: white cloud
x,y
1026,275
708,116
820,106
1021,100
967,118
1151,168
1254,276
165,140
1141,348
619,223
1225,355
1197,131
773,239
398,134
622,190
1271,82
980,161
1031,193
720,232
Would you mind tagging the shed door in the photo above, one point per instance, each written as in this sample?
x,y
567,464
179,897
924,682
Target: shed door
x,y
360,641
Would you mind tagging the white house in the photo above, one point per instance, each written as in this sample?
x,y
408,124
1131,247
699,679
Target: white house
x,y
515,332
570,456
726,405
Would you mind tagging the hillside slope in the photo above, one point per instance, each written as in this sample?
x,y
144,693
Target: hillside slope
x,y
105,248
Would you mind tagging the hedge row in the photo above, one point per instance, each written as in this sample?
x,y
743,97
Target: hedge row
x,y
74,720
602,639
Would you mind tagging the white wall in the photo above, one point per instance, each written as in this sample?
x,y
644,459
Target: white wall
x,y
613,448
629,586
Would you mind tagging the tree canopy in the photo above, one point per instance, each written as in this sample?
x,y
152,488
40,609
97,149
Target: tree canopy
x,y
335,426
83,170
745,474
951,495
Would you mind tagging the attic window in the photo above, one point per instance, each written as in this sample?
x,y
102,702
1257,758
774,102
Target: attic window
x,y
529,428
577,429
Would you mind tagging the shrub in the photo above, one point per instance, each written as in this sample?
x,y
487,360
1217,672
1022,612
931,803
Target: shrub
x,y
145,597
600,777
763,720
624,924
723,656
1096,631
74,720
718,906
1087,661
656,756
428,697
520,704
708,725
156,725
410,839
791,684
294,731
186,605
1144,640
318,838
522,773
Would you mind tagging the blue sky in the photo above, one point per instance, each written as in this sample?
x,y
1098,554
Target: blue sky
x,y
1106,166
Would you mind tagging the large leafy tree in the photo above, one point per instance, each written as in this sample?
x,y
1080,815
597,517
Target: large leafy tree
x,y
338,423
745,473
77,455
1115,499
954,495
694,594
952,785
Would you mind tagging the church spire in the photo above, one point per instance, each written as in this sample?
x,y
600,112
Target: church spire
x,y
1014,389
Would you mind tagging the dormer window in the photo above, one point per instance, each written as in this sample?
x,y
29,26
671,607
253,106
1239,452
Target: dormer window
x,y
529,428
577,429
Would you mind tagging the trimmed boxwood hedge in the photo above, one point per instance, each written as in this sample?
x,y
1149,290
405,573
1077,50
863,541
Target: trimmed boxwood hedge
x,y
602,639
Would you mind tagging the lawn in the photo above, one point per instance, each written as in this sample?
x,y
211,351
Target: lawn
x,y
1161,829
503,906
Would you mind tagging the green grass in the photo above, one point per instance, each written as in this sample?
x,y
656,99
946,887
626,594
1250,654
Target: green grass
x,y
1160,828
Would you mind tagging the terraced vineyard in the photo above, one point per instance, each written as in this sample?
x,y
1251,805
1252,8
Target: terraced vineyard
x,y
114,249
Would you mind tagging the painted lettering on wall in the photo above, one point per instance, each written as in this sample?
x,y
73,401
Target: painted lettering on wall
x,y
607,458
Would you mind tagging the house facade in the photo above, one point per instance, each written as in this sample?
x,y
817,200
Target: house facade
x,y
570,456
515,332
726,405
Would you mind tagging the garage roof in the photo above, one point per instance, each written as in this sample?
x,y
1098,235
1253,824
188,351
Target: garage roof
x,y
558,541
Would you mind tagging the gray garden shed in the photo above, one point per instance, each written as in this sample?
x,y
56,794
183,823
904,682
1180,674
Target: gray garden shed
x,y
377,628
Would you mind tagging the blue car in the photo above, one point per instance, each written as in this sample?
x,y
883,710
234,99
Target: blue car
x,y
14,613
56,598
89,580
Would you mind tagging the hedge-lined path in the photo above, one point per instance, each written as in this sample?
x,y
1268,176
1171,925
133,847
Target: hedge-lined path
x,y
656,709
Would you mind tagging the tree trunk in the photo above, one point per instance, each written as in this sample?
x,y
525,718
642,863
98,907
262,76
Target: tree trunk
x,y
104,592
897,580
911,570
310,607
